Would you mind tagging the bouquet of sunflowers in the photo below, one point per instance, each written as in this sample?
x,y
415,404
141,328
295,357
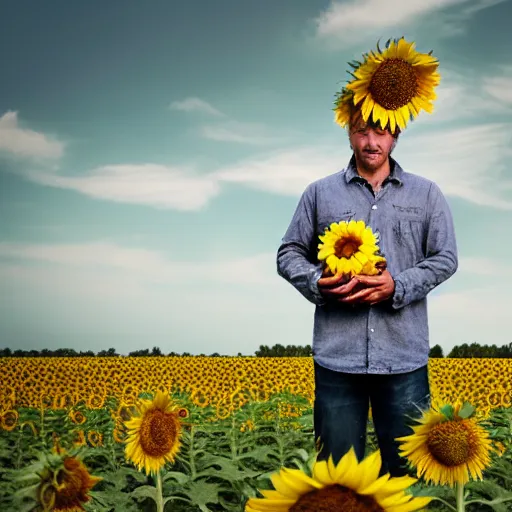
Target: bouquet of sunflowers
x,y
350,248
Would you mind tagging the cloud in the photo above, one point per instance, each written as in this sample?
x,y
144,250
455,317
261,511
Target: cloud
x,y
245,133
146,265
192,104
288,171
500,87
484,267
25,143
460,96
357,20
468,162
150,184
480,314
130,298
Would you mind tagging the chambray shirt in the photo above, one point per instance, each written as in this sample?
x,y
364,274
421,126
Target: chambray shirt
x,y
417,238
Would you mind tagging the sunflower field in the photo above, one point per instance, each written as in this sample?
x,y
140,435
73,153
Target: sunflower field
x,y
212,434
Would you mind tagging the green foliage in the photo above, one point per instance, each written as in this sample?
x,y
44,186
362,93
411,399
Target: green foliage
x,y
221,463
436,352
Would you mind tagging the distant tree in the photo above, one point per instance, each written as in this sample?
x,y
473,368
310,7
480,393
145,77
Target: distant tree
x,y
156,352
215,354
5,352
284,351
436,351
139,353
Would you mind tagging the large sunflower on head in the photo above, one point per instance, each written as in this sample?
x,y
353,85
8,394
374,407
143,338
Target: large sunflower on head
x,y
349,485
350,248
390,86
154,433
448,446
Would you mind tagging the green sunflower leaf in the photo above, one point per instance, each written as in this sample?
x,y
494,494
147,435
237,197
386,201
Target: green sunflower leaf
x,y
447,411
467,410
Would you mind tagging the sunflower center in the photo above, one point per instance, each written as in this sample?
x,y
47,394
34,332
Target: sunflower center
x,y
72,484
452,442
158,433
393,84
335,497
346,247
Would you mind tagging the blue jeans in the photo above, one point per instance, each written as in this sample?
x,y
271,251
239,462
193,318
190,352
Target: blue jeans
x,y
341,412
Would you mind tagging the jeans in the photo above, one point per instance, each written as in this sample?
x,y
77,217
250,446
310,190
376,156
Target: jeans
x,y
341,412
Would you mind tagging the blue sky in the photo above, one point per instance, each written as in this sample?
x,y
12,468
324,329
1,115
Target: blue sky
x,y
152,155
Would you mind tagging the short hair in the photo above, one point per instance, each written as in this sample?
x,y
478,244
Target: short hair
x,y
356,116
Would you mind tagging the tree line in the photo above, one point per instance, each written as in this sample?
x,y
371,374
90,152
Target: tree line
x,y
277,350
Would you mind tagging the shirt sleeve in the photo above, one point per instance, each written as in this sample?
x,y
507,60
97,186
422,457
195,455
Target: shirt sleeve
x,y
297,253
441,259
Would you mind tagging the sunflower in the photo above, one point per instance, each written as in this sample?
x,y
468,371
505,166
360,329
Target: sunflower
x,y
391,86
64,483
349,485
448,446
350,248
154,435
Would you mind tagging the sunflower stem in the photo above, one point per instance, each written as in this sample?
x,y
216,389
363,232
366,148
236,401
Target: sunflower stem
x,y
460,498
159,494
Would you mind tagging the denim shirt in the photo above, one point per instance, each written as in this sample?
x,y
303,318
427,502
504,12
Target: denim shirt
x,y
417,238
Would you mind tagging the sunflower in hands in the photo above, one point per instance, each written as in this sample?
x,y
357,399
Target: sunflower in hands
x,y
354,269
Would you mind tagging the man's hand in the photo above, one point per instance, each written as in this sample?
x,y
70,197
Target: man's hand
x,y
335,287
377,289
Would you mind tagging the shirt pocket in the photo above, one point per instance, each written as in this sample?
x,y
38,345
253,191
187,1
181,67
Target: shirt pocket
x,y
408,232
325,220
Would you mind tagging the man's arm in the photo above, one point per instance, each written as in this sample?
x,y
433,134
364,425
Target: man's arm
x,y
297,247
415,283
441,260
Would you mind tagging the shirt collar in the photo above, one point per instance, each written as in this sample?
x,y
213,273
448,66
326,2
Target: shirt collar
x,y
395,174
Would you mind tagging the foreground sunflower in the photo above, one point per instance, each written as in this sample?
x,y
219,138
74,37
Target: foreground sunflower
x,y
350,248
61,482
349,485
154,434
390,86
448,446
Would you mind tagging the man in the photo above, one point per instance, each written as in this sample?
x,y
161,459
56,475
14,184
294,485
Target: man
x,y
370,337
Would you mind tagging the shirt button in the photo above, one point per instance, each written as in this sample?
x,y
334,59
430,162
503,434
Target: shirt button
x,y
372,330
374,207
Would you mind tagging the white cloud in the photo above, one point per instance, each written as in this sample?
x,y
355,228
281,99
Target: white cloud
x,y
147,265
500,86
155,185
82,307
288,171
193,104
105,295
482,266
358,20
245,133
479,315
467,162
25,143
460,96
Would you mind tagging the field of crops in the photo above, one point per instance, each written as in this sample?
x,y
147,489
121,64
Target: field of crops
x,y
241,420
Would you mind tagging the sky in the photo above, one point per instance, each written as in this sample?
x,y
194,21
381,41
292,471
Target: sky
x,y
152,155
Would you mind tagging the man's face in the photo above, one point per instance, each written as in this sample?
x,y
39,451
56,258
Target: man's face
x,y
371,145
